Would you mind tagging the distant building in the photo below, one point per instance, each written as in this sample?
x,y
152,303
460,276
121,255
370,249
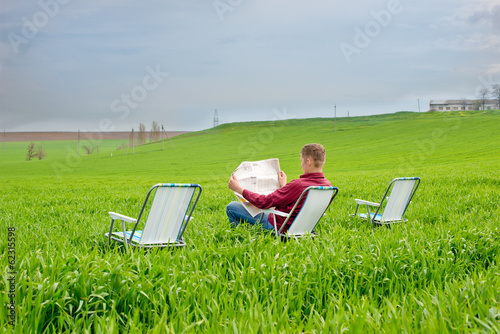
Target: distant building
x,y
447,105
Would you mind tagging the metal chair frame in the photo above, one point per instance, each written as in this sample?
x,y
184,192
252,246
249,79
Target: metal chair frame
x,y
379,219
122,236
306,193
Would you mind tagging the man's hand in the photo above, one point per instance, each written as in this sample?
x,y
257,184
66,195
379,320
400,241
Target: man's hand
x,y
282,178
234,185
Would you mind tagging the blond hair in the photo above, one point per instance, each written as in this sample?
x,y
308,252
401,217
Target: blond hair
x,y
316,152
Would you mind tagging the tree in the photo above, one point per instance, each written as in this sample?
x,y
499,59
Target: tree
x,y
141,137
89,148
155,132
40,152
31,151
495,93
482,94
35,151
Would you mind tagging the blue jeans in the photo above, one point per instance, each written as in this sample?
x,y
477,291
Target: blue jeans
x,y
237,213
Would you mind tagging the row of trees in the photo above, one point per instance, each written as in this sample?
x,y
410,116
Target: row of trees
x,y
154,133
134,140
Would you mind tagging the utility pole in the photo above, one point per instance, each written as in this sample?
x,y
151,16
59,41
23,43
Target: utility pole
x,y
162,138
216,118
418,105
335,116
78,142
130,140
166,134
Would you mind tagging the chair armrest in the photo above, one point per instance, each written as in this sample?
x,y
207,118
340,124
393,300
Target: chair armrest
x,y
362,202
115,215
276,212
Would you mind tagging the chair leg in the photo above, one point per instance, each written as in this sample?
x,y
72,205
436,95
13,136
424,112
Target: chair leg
x,y
125,235
274,224
368,215
110,231
275,227
260,218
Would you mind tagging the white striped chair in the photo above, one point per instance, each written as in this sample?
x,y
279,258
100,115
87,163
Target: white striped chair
x,y
317,200
166,220
401,192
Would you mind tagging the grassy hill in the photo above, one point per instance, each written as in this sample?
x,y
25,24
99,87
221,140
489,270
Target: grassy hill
x,y
402,140
438,272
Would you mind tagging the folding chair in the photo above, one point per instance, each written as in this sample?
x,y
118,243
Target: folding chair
x,y
317,199
170,211
401,192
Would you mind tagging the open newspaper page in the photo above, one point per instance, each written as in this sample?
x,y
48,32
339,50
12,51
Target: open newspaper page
x,y
257,176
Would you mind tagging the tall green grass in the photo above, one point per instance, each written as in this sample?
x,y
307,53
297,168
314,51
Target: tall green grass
x,y
436,273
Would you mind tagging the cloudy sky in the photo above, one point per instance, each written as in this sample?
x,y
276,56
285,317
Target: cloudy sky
x,y
67,65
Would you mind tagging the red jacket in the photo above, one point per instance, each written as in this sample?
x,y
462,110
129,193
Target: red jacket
x,y
284,198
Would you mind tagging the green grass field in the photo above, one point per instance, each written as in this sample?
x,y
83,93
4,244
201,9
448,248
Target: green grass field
x,y
437,273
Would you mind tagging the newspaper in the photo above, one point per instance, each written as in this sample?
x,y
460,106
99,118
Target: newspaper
x,y
257,176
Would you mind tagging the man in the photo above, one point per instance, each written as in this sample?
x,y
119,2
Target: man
x,y
312,158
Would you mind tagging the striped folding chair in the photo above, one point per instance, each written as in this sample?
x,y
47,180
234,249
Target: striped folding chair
x,y
317,199
394,203
166,220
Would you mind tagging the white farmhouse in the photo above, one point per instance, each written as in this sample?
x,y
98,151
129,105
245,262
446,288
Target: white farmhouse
x,y
446,105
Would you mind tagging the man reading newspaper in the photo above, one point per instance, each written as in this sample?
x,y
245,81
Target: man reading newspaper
x,y
312,158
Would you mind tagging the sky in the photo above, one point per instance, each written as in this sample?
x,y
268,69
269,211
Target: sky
x,y
68,65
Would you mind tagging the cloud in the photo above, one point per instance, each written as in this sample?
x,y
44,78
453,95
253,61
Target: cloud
x,y
262,55
490,17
